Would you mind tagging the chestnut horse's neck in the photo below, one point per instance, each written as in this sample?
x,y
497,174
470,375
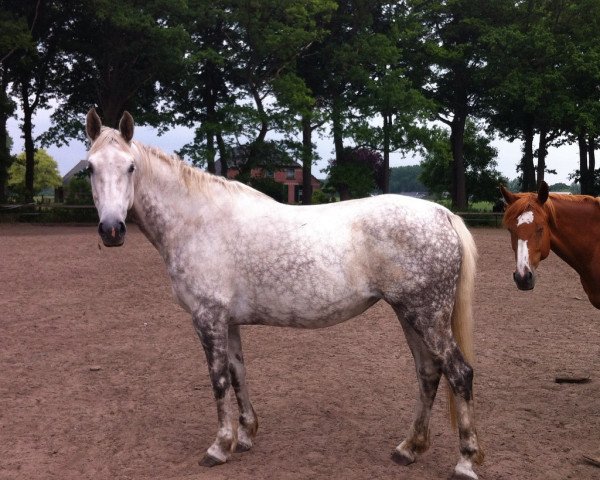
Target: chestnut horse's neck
x,y
575,226
575,236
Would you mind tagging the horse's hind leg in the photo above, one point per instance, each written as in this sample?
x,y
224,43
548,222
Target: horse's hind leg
x,y
460,378
248,423
211,324
435,350
429,371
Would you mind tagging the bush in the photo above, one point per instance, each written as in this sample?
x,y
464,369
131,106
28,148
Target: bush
x,y
321,196
79,192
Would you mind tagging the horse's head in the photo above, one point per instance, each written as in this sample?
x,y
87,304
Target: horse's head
x,y
527,220
111,166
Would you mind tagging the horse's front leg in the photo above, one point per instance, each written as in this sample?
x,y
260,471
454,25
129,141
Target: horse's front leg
x,y
211,324
248,423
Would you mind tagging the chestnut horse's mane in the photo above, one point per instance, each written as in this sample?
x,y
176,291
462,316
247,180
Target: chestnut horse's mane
x,y
528,201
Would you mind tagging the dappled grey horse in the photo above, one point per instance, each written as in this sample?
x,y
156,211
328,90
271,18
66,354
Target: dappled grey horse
x,y
236,257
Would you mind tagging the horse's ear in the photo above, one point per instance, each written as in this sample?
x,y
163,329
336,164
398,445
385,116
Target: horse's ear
x,y
508,195
93,124
543,192
126,126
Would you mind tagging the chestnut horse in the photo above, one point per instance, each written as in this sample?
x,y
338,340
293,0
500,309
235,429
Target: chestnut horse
x,y
569,225
237,257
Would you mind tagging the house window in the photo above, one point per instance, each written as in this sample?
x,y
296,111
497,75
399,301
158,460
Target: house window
x,y
290,173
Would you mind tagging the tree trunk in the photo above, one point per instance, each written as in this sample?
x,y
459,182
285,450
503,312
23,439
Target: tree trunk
x,y
344,192
210,152
542,152
527,166
5,158
387,126
28,140
583,164
306,160
457,140
223,155
211,121
592,165
338,135
112,110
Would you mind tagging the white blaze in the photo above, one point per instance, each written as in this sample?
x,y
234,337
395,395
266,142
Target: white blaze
x,y
522,249
526,217
522,257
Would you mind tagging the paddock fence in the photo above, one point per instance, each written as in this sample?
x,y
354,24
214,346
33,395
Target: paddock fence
x,y
60,213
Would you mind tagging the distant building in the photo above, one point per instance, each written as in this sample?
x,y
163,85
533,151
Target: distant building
x,y
283,170
60,192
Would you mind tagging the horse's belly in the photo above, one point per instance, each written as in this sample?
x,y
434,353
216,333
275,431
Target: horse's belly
x,y
307,315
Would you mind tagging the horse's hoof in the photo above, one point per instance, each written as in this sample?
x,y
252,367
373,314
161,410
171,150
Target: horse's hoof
x,y
209,461
402,458
463,476
462,473
242,447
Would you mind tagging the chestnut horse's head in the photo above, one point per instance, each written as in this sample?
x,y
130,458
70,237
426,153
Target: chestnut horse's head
x,y
111,167
527,220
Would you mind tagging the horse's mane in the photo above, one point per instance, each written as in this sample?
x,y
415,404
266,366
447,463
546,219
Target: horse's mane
x,y
528,201
194,179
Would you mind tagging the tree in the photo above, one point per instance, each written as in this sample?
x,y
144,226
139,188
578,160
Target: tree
x,y
406,179
389,104
482,178
578,29
452,47
117,56
357,173
31,64
46,173
14,36
529,90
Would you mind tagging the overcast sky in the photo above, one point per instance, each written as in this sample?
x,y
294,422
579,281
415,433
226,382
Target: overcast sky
x,y
564,159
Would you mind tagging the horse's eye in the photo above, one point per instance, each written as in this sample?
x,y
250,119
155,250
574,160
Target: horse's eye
x,y
131,168
89,169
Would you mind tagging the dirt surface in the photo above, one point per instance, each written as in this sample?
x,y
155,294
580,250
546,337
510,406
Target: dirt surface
x,y
102,376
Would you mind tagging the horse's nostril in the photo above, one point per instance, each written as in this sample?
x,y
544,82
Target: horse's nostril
x,y
529,275
100,228
122,228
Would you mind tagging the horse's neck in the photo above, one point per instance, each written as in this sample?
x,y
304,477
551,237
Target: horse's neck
x,y
575,232
163,206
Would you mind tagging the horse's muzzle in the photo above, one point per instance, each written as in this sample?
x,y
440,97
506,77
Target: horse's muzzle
x,y
526,281
112,232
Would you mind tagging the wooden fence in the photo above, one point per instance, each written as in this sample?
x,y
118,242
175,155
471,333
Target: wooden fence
x,y
57,212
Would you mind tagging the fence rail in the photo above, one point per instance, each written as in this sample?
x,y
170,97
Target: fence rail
x,y
48,212
87,213
482,218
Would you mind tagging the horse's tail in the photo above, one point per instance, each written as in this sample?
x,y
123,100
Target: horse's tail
x,y
462,314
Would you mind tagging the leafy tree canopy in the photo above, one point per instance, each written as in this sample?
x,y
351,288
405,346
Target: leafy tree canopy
x,y
482,178
357,173
406,179
46,173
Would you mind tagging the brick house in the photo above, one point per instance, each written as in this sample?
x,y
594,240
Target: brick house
x,y
284,171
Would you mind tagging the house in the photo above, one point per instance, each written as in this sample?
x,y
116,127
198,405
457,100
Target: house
x,y
59,192
282,169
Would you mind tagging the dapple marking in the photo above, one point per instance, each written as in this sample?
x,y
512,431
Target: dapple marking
x,y
237,257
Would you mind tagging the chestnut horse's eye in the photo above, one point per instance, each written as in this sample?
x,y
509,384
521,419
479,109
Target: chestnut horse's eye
x,y
131,168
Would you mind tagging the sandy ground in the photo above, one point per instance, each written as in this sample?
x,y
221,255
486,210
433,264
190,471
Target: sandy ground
x,y
102,376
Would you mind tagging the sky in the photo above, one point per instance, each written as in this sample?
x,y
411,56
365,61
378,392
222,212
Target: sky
x,y
563,159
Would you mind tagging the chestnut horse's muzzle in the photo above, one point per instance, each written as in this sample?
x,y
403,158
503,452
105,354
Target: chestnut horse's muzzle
x,y
112,232
526,281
